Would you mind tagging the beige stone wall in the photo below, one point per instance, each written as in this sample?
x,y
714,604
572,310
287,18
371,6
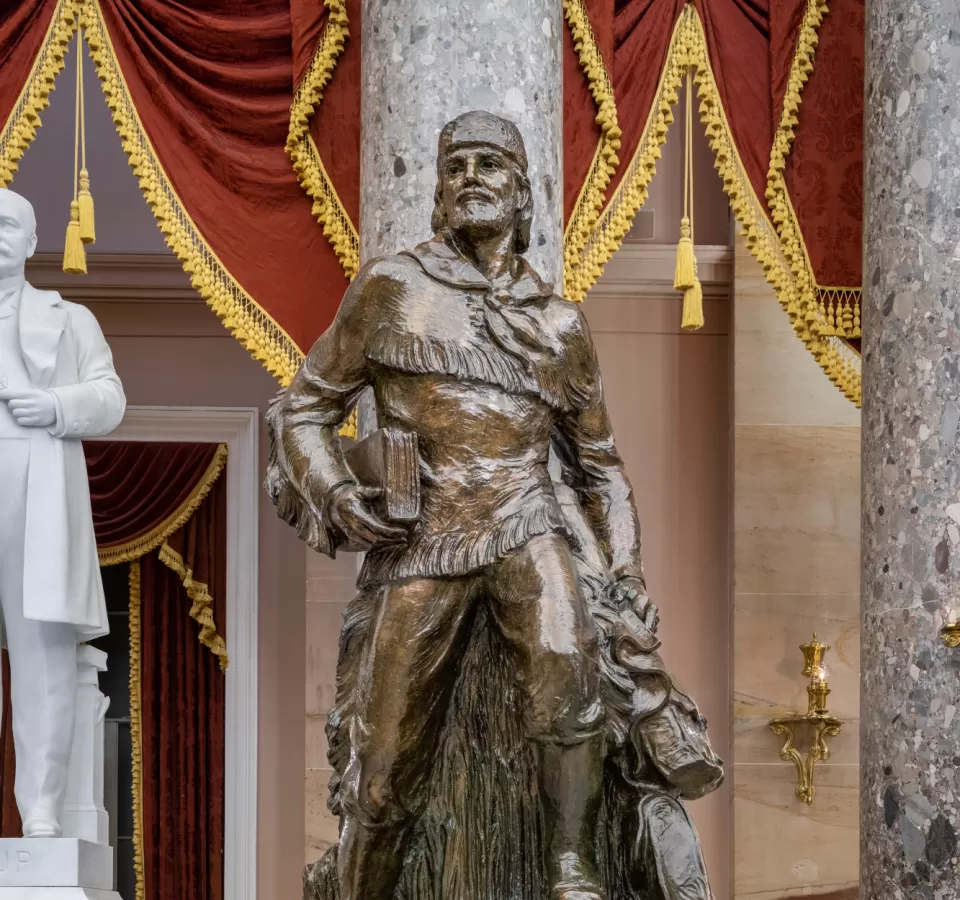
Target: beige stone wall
x,y
796,515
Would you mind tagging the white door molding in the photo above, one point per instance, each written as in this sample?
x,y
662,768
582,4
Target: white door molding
x,y
237,428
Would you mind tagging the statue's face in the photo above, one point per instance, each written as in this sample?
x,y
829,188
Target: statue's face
x,y
480,191
18,233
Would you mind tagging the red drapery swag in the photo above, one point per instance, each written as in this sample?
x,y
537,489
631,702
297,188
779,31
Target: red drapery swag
x,y
207,101
160,509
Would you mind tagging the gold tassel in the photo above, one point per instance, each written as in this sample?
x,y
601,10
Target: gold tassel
x,y
685,273
88,232
693,307
80,229
685,276
74,257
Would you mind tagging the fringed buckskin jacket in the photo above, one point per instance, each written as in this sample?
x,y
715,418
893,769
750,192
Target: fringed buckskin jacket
x,y
487,374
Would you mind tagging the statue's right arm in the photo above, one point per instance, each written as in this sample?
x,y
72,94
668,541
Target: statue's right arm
x,y
306,462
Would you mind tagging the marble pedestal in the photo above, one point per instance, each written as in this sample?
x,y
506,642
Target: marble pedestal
x,y
55,869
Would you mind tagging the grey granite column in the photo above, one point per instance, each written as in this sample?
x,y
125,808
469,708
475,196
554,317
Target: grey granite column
x,y
426,61
910,730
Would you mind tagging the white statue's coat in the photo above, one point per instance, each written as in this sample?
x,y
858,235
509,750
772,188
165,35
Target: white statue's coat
x,y
65,353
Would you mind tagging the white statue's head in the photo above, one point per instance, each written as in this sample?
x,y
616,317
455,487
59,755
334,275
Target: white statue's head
x,y
18,232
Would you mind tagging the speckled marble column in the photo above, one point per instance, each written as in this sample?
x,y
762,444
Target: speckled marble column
x,y
910,730
426,61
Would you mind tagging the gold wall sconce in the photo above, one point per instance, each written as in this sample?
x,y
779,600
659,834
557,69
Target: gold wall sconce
x,y
950,632
817,720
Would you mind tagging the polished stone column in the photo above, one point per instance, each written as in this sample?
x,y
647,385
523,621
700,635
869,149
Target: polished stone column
x,y
426,61
910,731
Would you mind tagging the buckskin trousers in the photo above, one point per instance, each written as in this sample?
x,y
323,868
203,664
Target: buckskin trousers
x,y
410,661
43,661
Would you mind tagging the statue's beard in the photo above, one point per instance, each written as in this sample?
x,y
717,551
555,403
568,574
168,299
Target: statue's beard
x,y
480,221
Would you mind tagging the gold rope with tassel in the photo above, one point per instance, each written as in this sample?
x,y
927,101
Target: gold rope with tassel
x,y
686,278
685,273
74,257
88,233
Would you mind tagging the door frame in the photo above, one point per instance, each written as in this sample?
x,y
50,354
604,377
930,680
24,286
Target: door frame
x,y
237,427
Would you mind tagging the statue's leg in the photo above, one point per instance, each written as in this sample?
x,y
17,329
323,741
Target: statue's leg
x,y
407,673
668,863
43,670
546,624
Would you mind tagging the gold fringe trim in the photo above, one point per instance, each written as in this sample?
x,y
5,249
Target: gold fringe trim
x,y
133,550
822,317
688,49
308,165
136,732
202,610
21,126
617,217
589,205
252,326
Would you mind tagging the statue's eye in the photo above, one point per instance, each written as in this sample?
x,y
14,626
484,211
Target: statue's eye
x,y
455,169
489,165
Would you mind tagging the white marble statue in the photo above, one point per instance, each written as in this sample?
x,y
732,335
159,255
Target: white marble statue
x,y
57,385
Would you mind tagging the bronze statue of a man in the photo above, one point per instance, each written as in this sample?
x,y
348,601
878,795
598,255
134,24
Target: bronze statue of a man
x,y
465,346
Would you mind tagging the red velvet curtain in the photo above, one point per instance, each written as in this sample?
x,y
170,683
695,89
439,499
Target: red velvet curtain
x,y
23,28
212,84
135,488
182,714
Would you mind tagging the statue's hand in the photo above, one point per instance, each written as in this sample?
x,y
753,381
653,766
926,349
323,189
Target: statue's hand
x,y
348,510
631,592
32,408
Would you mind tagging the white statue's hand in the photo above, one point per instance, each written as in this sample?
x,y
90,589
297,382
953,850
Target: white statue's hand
x,y
31,409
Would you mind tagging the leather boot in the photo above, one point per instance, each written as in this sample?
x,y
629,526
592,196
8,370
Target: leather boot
x,y
370,860
571,795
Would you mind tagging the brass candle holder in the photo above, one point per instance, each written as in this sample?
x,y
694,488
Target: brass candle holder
x,y
821,724
950,633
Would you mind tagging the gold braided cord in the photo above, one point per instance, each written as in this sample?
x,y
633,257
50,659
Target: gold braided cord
x,y
251,325
586,211
202,610
823,317
24,119
136,730
302,149
133,550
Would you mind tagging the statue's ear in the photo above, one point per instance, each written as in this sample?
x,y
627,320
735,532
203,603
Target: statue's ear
x,y
438,221
521,241
32,246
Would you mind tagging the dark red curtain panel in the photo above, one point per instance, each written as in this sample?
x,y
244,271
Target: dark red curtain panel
x,y
212,83
182,716
25,27
135,486
738,41
824,172
581,132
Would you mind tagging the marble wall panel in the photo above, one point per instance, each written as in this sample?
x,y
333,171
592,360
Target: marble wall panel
x,y
796,551
797,519
788,849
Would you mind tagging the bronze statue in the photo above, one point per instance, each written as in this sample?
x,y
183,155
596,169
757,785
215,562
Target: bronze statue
x,y
504,727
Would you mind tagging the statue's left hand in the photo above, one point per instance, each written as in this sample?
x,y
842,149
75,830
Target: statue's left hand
x,y
32,408
631,592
